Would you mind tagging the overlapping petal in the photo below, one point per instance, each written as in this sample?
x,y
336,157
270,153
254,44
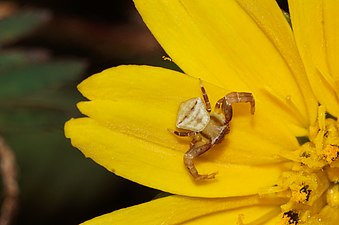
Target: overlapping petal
x,y
127,133
185,210
240,45
315,27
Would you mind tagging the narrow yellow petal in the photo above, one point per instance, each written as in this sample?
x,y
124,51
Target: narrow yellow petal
x,y
258,39
133,107
315,26
145,84
238,42
161,167
153,95
250,136
184,41
178,210
244,216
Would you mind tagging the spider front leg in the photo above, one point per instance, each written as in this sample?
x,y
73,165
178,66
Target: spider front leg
x,y
205,96
190,155
234,97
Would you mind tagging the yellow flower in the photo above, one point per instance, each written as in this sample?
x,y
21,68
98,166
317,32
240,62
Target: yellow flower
x,y
265,176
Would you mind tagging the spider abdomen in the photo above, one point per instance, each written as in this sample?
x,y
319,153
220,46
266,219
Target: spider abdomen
x,y
192,115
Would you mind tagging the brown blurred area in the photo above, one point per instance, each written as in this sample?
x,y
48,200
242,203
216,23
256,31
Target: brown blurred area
x,y
105,33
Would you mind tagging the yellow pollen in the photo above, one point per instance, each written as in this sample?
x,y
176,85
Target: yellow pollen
x,y
289,218
284,221
302,195
312,184
330,153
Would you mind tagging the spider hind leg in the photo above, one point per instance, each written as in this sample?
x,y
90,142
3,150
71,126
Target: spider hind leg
x,y
205,96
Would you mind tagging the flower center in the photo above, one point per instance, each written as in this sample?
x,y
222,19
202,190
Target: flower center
x,y
313,181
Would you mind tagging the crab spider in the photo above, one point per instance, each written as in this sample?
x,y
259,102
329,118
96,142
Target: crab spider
x,y
205,127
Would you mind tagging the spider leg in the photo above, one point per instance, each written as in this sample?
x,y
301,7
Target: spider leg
x,y
192,153
205,96
235,97
182,133
197,138
218,104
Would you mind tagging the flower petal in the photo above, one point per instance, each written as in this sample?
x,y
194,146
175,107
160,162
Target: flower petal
x,y
263,215
159,167
315,26
249,137
178,210
145,90
135,105
237,38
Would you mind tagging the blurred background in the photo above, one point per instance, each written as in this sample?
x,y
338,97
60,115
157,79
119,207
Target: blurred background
x,y
46,49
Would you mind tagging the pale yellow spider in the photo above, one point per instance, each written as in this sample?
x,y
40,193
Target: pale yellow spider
x,y
205,127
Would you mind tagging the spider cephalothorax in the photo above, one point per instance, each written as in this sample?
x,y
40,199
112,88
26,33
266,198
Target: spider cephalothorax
x,y
205,127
